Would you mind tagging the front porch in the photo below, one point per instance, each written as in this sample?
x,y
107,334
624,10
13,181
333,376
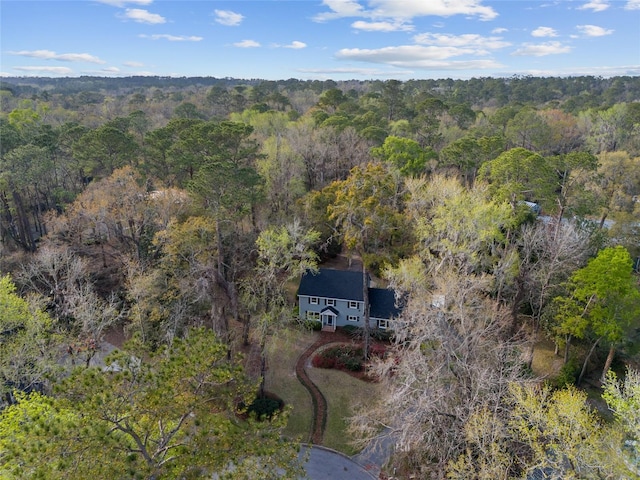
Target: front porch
x,y
328,318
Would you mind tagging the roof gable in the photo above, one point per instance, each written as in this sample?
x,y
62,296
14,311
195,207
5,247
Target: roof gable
x,y
328,283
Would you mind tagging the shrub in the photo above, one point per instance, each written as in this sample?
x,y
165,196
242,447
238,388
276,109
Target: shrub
x,y
353,364
568,374
341,358
311,325
321,361
264,408
382,335
378,350
351,329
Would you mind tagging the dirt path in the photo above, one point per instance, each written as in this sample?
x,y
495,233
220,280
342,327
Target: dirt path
x,y
319,402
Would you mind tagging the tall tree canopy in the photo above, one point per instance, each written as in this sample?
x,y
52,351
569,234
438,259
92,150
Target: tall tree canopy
x,y
177,413
603,299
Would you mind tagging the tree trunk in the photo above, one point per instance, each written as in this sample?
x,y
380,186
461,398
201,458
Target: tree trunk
x,y
263,366
608,362
365,297
567,345
219,247
530,354
586,361
24,226
603,218
246,324
558,220
515,306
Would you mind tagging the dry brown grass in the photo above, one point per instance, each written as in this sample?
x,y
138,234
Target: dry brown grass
x,y
282,381
545,363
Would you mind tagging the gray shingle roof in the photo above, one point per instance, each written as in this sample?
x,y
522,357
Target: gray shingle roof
x,y
382,303
340,284
347,285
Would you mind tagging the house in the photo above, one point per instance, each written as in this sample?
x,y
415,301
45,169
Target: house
x,y
335,298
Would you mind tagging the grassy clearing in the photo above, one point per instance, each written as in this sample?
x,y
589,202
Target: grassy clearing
x,y
545,363
343,392
282,381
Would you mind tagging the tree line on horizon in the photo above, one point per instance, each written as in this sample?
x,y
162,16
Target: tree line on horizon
x,y
164,205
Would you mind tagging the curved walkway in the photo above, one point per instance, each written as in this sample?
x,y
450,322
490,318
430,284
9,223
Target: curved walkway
x,y
319,402
372,457
319,420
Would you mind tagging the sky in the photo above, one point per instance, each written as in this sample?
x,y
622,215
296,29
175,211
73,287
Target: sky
x,y
320,39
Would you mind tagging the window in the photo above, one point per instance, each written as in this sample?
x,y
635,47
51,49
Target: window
x,y
352,318
383,324
313,315
330,302
353,304
314,300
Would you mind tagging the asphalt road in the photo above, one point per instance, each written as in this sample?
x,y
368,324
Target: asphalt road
x,y
324,464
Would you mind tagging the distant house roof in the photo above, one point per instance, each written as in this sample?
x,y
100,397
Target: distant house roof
x,y
382,303
327,283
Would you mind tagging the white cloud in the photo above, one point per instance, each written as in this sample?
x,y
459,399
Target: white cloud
x,y
541,49
593,30
111,70
296,45
467,40
405,9
133,64
401,54
356,71
143,16
605,71
416,56
171,38
544,32
340,9
441,8
54,70
146,73
246,44
228,18
382,26
499,30
632,5
62,57
595,5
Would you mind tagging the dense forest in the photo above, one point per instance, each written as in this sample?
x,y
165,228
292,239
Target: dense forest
x,y
504,213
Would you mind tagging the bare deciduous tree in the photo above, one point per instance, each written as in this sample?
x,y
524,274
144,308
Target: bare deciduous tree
x,y
450,360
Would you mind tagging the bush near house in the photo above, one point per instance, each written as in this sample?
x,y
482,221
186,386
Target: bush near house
x,y
342,357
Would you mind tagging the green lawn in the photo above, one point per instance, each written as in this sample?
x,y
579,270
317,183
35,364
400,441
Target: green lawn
x,y
282,381
342,392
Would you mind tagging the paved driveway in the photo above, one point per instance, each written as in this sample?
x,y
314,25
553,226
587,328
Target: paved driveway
x,y
324,464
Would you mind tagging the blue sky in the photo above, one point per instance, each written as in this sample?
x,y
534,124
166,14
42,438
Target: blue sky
x,y
320,39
